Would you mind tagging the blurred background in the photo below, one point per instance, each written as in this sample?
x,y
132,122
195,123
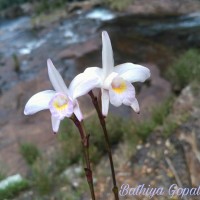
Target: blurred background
x,y
159,147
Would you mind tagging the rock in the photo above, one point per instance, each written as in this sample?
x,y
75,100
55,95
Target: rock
x,y
187,104
80,50
161,170
154,94
23,129
184,104
10,180
27,8
81,6
13,12
73,175
163,7
16,128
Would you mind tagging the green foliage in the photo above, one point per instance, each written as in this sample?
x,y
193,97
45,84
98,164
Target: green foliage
x,y
195,88
2,175
7,3
13,189
71,148
70,151
41,5
159,114
46,5
46,175
118,4
141,130
185,69
42,178
144,129
169,127
118,129
115,132
29,152
16,63
161,111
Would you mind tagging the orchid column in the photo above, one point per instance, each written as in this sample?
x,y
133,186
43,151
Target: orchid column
x,y
116,88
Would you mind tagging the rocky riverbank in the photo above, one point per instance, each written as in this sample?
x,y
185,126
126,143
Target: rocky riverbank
x,y
152,34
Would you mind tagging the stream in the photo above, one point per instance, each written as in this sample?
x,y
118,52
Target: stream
x,y
154,39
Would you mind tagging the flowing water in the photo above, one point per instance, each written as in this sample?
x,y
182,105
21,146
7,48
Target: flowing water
x,y
16,36
136,36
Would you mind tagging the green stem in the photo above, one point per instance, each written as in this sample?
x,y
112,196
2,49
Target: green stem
x,y
85,144
103,124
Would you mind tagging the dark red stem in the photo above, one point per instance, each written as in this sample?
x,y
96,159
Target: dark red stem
x,y
103,124
85,143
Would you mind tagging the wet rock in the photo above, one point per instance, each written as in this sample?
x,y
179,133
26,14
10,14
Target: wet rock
x,y
27,8
163,7
81,49
13,12
81,6
73,175
10,180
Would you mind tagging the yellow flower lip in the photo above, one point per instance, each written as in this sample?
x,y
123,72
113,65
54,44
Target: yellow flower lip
x,y
61,106
60,103
118,85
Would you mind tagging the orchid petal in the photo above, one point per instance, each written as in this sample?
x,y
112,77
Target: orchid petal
x,y
129,96
135,106
107,54
38,102
94,71
125,93
55,123
109,80
105,102
78,112
61,106
56,79
132,72
82,84
115,99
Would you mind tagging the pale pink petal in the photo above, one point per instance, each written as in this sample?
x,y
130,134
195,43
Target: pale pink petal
x,y
78,112
135,106
90,73
56,79
82,84
107,54
105,102
109,80
38,102
55,123
61,106
126,96
132,72
115,99
94,71
129,95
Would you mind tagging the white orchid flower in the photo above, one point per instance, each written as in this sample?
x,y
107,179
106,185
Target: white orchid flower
x,y
60,102
115,82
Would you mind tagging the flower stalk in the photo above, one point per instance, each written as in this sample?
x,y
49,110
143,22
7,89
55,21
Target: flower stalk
x,y
108,148
85,144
